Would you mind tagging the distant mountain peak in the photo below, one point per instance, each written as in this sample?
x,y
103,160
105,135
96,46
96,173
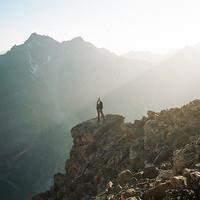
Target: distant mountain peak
x,y
34,34
78,42
35,37
78,39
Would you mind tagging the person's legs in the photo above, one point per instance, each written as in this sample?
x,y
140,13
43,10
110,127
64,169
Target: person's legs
x,y
102,115
98,113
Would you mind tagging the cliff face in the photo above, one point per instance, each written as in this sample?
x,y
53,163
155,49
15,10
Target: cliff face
x,y
155,157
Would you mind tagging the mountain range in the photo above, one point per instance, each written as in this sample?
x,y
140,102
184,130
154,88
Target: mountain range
x,y
44,86
47,87
171,83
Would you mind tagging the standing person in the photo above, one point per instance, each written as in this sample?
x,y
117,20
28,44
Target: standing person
x,y
100,109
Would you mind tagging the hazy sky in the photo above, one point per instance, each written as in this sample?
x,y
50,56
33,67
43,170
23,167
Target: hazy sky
x,y
118,25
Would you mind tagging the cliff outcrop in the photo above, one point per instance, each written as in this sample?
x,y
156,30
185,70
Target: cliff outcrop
x,y
157,157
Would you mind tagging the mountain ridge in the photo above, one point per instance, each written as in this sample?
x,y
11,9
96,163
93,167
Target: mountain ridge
x,y
41,84
170,83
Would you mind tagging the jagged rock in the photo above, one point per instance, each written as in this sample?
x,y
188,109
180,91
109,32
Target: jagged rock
x,y
172,127
178,181
152,115
150,172
144,160
166,165
157,192
190,191
163,154
183,194
165,174
193,178
109,185
129,193
85,138
186,157
197,166
59,180
124,177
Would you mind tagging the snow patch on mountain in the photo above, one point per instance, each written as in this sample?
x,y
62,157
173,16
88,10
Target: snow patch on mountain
x,y
33,67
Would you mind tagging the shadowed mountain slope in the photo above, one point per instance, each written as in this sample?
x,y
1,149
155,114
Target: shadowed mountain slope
x,y
43,85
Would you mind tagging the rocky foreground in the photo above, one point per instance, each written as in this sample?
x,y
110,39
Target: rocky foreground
x,y
157,157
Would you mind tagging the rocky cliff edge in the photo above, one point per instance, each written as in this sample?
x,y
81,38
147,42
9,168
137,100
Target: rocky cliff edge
x,y
157,157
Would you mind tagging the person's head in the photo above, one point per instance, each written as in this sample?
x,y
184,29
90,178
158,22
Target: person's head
x,y
99,99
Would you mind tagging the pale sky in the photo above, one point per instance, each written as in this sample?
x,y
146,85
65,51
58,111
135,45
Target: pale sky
x,y
118,25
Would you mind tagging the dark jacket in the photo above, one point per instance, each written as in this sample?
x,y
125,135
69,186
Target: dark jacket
x,y
99,105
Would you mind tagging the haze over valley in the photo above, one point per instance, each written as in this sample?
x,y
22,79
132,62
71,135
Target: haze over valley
x,y
45,84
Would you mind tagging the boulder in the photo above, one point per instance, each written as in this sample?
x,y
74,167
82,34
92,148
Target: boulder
x,y
178,181
185,157
124,177
129,193
193,178
150,172
165,174
152,115
59,180
157,192
166,165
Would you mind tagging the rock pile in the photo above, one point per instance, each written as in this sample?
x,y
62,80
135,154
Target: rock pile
x,y
157,157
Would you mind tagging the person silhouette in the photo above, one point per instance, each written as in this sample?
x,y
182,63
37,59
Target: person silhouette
x,y
100,109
